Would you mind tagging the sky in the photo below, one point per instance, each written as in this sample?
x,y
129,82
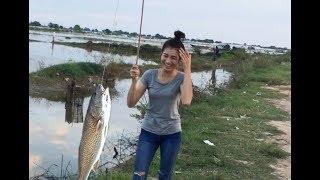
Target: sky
x,y
254,22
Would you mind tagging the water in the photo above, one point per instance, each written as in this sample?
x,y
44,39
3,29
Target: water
x,y
50,136
43,54
81,38
218,77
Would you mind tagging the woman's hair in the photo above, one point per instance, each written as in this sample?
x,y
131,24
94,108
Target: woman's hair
x,y
174,42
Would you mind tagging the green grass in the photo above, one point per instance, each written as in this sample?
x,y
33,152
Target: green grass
x,y
76,70
277,75
239,152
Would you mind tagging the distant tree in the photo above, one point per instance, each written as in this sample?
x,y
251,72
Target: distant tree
x,y
251,48
53,25
226,47
157,36
118,32
61,27
160,36
86,29
125,32
77,28
34,23
106,31
208,41
133,34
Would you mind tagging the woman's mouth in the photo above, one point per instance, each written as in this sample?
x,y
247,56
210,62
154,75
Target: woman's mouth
x,y
167,66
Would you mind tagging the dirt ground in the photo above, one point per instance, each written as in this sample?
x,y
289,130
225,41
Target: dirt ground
x,y
283,166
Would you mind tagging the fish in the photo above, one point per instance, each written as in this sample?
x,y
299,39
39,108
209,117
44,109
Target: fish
x,y
94,132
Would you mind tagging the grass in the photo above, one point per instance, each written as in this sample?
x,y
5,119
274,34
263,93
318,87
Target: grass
x,y
50,82
240,150
74,70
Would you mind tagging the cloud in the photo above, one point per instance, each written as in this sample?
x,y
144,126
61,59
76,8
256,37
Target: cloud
x,y
61,132
32,160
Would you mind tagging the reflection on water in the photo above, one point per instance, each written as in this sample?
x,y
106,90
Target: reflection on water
x,y
74,105
213,77
51,134
217,77
52,46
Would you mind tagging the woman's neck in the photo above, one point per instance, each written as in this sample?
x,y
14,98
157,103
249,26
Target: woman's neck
x,y
168,74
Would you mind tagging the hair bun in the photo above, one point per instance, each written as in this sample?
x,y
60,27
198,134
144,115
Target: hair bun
x,y
178,35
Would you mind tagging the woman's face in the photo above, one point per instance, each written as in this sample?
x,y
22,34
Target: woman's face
x,y
170,59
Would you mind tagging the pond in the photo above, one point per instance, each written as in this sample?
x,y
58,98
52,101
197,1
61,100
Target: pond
x,y
54,140
43,54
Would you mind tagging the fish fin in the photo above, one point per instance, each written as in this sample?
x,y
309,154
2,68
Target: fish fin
x,y
99,125
95,166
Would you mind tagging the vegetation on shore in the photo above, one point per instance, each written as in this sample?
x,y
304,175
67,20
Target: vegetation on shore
x,y
147,52
234,120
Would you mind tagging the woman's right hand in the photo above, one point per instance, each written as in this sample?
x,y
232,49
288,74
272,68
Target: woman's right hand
x,y
135,72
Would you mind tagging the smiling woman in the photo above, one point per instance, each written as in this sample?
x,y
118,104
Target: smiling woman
x,y
161,126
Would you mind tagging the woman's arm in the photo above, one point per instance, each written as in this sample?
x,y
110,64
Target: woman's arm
x,y
137,89
186,86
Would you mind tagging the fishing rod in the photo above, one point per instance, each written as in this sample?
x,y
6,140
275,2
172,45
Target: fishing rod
x,y
138,49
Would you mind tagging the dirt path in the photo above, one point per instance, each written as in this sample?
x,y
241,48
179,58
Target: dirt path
x,y
283,166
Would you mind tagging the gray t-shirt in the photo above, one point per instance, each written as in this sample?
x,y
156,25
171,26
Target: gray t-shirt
x,y
162,116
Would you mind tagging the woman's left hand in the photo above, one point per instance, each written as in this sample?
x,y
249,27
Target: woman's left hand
x,y
186,59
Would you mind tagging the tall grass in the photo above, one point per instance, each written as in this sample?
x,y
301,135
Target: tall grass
x,y
71,69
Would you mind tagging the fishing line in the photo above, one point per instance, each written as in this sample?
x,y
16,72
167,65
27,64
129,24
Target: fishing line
x,y
113,29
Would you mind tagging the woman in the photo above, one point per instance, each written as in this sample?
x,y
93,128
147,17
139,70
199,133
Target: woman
x,y
161,126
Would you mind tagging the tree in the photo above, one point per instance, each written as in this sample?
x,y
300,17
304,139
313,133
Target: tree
x,y
226,47
34,23
160,36
86,29
133,34
118,32
53,25
106,31
208,41
77,28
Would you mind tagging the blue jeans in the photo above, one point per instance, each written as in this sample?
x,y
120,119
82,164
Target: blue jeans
x,y
148,145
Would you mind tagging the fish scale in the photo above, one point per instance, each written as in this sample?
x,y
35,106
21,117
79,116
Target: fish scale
x,y
93,138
